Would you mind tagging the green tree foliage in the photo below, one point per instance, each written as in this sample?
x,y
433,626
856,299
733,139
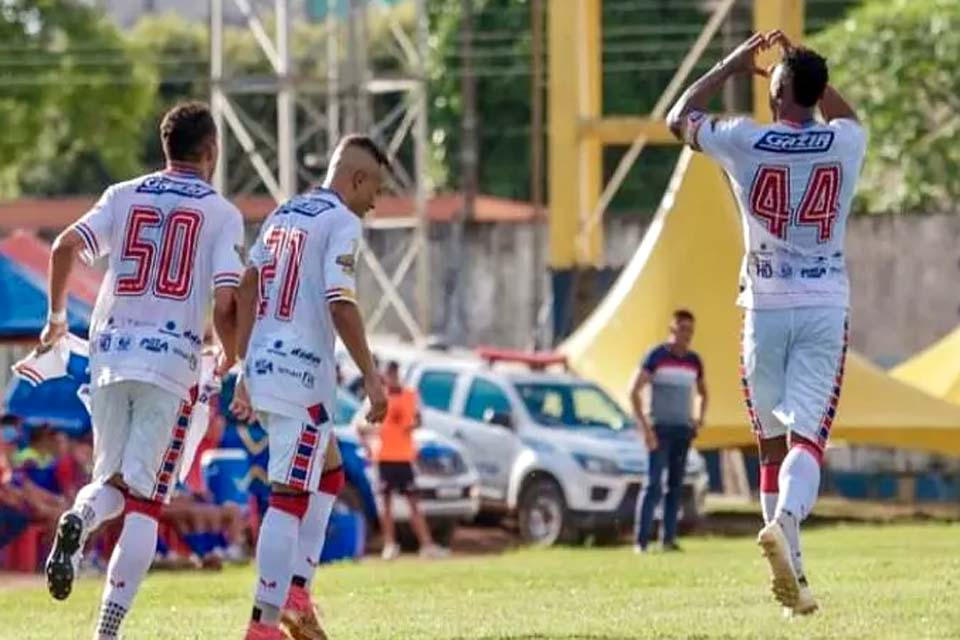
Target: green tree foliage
x,y
896,60
644,42
72,98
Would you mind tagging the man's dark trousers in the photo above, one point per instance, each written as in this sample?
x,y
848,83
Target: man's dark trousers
x,y
671,454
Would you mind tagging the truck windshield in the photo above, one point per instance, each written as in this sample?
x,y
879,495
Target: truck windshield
x,y
572,406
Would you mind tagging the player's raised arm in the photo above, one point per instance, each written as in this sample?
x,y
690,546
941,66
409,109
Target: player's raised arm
x,y
833,106
687,114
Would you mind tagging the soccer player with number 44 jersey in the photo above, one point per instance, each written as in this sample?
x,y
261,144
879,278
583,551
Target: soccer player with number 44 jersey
x,y
794,181
172,243
295,297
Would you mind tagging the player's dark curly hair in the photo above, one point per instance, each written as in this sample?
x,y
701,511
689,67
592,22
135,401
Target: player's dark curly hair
x,y
185,129
808,75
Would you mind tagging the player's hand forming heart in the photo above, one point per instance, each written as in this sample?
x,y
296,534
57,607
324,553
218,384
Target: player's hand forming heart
x,y
779,38
743,58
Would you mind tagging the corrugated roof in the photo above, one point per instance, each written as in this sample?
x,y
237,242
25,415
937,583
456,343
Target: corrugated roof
x,y
57,213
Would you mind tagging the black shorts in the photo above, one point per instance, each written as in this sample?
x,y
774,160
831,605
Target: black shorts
x,y
396,477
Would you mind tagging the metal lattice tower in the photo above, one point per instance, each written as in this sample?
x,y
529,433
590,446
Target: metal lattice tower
x,y
312,113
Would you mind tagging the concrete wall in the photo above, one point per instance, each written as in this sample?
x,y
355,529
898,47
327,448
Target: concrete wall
x,y
904,272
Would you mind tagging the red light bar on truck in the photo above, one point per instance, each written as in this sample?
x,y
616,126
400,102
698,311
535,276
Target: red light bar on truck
x,y
537,360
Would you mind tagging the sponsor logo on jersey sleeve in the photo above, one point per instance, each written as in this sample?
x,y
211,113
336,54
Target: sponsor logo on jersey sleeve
x,y
124,342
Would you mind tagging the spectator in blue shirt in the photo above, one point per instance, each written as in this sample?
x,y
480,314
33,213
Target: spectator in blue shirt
x,y
672,371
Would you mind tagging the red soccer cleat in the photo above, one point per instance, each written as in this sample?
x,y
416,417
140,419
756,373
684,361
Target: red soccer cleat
x,y
260,631
300,616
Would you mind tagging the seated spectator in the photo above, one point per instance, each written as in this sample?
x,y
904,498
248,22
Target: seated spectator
x,y
13,516
213,533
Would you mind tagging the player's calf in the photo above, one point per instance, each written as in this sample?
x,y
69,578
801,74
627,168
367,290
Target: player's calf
x,y
276,551
129,563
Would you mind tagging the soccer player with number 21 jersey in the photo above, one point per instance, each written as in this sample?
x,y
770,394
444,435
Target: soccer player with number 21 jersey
x,y
794,181
296,296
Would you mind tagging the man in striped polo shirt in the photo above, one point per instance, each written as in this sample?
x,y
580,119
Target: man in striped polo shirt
x,y
673,371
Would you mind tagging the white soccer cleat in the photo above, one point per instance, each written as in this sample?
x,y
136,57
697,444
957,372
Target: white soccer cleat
x,y
806,604
434,552
390,551
783,581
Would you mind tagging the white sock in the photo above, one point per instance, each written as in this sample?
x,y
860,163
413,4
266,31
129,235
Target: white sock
x,y
313,529
276,550
129,564
768,502
799,485
97,503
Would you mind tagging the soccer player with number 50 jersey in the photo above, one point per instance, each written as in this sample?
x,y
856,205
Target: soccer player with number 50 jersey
x,y
295,297
172,243
794,181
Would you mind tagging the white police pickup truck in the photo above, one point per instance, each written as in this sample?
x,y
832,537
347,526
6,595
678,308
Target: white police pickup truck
x,y
552,449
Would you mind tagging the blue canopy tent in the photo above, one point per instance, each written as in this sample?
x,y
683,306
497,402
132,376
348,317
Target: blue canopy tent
x,y
54,402
23,304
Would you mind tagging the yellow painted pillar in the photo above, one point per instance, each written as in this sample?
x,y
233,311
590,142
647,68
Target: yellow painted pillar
x,y
786,15
590,249
562,121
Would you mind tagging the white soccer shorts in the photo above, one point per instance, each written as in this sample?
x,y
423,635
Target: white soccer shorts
x,y
792,370
139,431
297,450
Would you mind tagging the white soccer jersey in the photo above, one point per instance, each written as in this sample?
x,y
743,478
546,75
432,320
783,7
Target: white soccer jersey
x,y
306,253
171,239
794,185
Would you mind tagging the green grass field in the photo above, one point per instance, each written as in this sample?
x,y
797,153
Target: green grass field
x,y
898,581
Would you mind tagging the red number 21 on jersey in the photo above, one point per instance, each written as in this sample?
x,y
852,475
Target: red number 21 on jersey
x,y
770,199
286,246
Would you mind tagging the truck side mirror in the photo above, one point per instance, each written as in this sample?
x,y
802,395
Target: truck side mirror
x,y
498,418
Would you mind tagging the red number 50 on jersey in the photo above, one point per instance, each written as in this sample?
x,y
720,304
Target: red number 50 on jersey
x,y
770,199
166,267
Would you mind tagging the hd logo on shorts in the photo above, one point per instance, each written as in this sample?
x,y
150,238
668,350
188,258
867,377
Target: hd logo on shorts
x,y
799,142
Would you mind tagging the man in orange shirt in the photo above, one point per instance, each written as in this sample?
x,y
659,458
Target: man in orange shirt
x,y
395,455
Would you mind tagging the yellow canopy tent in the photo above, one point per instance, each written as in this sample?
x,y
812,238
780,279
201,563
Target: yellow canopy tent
x,y
935,370
690,258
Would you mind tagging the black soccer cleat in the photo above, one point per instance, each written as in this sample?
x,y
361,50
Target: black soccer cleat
x,y
59,567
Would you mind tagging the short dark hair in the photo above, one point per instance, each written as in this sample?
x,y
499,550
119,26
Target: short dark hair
x,y
683,314
185,129
393,367
808,75
367,144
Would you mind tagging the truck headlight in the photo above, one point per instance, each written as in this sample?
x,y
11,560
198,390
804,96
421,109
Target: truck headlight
x,y
596,464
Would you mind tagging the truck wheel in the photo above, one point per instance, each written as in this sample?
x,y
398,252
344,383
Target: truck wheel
x,y
542,514
691,514
442,532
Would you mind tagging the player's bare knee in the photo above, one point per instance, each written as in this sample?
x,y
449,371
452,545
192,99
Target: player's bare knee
x,y
772,450
116,481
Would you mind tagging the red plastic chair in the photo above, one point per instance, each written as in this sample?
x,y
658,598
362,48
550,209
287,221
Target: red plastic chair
x,y
23,553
